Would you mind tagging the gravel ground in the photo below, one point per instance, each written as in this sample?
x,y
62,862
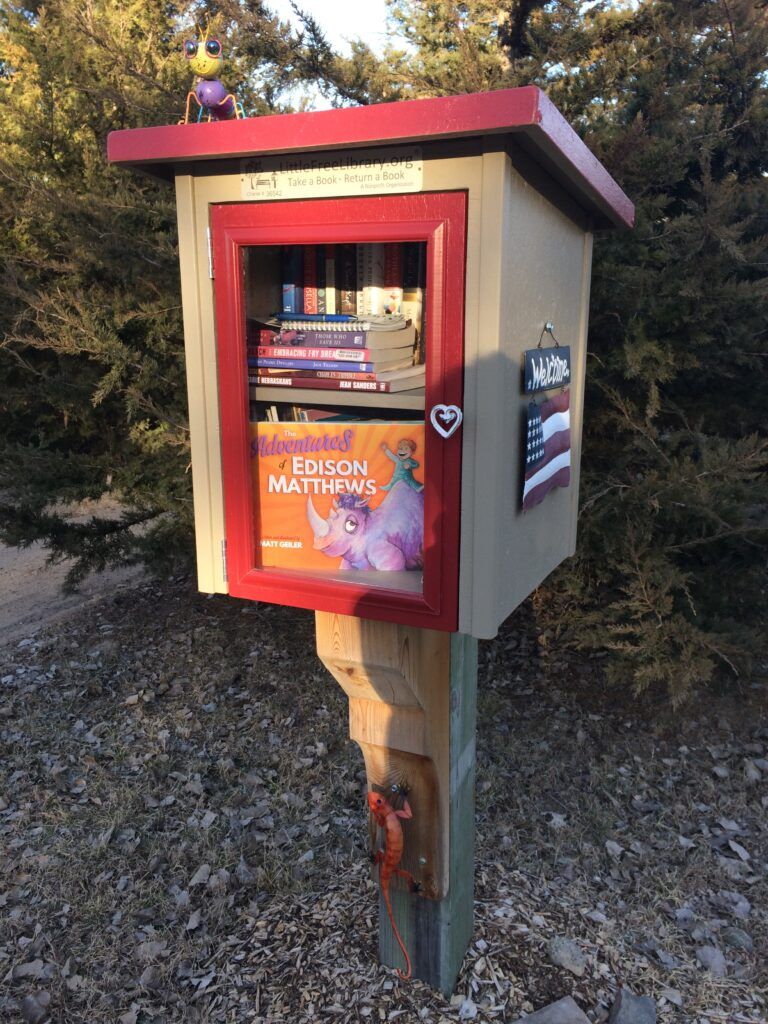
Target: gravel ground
x,y
183,828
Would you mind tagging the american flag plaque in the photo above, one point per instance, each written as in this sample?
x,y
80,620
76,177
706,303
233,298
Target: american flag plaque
x,y
547,449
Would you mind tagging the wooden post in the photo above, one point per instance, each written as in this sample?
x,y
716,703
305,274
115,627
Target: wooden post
x,y
412,698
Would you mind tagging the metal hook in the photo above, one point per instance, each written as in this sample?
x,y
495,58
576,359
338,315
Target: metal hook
x,y
548,328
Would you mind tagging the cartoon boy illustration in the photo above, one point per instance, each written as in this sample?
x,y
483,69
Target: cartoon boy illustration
x,y
404,464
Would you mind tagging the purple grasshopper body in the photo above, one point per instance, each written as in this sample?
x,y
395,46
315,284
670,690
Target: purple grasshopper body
x,y
214,99
389,537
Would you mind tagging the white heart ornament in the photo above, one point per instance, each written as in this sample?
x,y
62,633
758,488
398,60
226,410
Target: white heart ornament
x,y
446,419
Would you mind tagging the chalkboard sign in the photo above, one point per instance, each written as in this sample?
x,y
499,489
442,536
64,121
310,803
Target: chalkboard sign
x,y
547,368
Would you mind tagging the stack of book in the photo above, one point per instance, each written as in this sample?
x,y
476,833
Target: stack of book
x,y
372,354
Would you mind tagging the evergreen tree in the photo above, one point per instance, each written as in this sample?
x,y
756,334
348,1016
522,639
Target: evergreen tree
x,y
670,572
92,389
671,568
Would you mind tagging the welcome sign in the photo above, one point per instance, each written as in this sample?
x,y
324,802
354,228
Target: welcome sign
x,y
547,368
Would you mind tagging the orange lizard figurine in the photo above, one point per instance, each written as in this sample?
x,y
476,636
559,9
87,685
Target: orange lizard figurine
x,y
389,819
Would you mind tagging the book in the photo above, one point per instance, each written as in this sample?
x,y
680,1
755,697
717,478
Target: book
x,y
318,383
292,287
341,495
330,279
327,364
313,318
322,301
256,335
347,355
350,373
377,325
309,256
346,278
262,285
370,278
416,374
372,340
393,278
305,415
414,270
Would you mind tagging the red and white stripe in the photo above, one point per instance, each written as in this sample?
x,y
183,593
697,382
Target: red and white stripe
x,y
555,469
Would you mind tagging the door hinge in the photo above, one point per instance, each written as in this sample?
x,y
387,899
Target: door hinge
x,y
224,558
210,253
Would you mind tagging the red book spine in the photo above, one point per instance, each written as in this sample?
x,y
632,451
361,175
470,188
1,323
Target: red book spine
x,y
310,279
263,344
349,355
255,335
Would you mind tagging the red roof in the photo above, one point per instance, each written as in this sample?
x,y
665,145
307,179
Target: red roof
x,y
525,113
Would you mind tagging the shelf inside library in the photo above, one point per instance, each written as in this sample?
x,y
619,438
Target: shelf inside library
x,y
414,399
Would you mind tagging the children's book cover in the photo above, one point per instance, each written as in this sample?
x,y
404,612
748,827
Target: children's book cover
x,y
331,496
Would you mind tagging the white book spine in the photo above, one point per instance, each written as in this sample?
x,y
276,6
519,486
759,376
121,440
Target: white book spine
x,y
370,279
330,279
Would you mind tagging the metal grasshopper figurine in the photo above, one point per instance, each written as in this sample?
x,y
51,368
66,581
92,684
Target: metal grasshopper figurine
x,y
212,98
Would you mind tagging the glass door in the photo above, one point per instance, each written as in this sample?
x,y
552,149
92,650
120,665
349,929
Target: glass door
x,y
339,332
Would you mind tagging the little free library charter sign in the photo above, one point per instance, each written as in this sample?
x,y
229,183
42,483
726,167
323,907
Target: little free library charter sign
x,y
356,172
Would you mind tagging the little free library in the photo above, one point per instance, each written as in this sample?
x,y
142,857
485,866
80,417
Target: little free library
x,y
385,320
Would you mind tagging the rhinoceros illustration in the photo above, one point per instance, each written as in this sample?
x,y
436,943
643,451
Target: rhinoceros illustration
x,y
388,537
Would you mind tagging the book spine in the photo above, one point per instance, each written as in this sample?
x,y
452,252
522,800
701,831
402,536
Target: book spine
x,y
413,290
308,364
330,279
293,297
350,373
324,339
347,355
256,335
370,279
393,278
263,295
309,255
361,275
346,266
322,299
288,303
253,351
324,385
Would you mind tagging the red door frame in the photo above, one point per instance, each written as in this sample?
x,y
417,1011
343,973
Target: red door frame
x,y
440,220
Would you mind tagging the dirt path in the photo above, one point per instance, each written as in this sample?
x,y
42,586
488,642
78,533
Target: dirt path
x,y
31,596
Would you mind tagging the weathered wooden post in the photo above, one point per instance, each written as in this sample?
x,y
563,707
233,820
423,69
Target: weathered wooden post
x,y
385,315
412,712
